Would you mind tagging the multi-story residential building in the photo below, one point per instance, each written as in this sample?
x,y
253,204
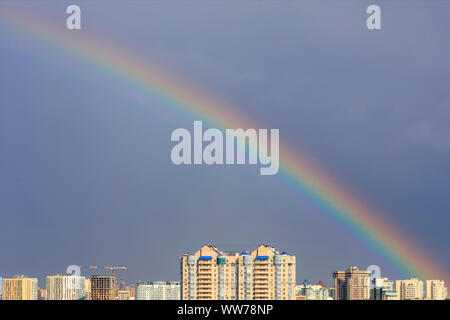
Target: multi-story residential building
x,y
65,287
383,290
352,284
1,282
87,289
410,289
436,290
19,288
132,290
123,295
263,273
312,291
103,287
158,290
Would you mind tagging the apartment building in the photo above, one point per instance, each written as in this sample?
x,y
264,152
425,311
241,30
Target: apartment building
x,y
123,295
410,289
312,292
352,284
19,288
87,289
65,287
263,273
436,290
383,290
158,290
103,287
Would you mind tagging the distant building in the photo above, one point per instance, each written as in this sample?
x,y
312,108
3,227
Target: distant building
x,y
410,289
383,290
132,290
436,290
263,273
331,293
312,292
123,295
87,289
19,288
352,284
158,290
1,280
42,294
103,287
65,287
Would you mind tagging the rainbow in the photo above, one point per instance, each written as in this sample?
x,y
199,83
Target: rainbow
x,y
297,171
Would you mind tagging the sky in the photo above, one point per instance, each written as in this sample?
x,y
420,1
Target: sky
x,y
85,170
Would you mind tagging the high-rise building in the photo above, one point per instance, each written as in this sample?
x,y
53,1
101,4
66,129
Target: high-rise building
x,y
103,287
65,287
19,288
264,273
436,290
410,289
158,290
383,290
352,284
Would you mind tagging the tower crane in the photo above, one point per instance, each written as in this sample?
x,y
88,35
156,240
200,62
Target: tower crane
x,y
112,268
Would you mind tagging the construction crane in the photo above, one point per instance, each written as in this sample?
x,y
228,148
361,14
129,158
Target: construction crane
x,y
90,267
112,268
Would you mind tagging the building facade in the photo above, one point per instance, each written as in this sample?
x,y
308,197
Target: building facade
x,y
352,284
158,290
87,289
436,290
312,292
19,288
65,287
410,289
123,295
383,290
263,273
103,287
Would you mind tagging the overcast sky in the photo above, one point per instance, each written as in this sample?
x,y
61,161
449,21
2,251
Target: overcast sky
x,y
85,170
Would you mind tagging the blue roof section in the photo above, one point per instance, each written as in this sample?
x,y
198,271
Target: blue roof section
x,y
262,258
243,252
204,258
284,252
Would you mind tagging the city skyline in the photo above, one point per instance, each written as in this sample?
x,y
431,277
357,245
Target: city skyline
x,y
83,146
88,270
263,273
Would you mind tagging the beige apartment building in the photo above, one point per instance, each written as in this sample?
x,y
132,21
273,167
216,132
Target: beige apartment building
x,y
19,288
87,289
410,289
352,284
436,290
123,295
263,273
65,287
